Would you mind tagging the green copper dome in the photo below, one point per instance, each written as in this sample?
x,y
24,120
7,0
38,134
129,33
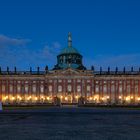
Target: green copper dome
x,y
69,50
69,57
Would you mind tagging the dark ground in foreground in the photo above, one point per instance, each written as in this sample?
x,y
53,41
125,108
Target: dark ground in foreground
x,y
70,123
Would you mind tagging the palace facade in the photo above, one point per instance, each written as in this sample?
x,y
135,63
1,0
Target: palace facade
x,y
69,82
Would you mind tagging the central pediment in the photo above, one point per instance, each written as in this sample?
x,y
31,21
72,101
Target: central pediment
x,y
69,72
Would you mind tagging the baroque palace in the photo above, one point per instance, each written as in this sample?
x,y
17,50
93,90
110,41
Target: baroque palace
x,y
69,82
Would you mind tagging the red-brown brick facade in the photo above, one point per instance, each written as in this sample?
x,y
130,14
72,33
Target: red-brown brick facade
x,y
69,81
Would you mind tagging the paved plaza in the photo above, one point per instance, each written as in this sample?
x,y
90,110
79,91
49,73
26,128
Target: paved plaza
x,y
70,124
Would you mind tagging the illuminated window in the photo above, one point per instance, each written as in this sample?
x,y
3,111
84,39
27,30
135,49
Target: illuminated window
x,y
69,88
69,81
97,82
88,88
34,88
78,88
18,88
50,88
128,89
11,88
112,89
59,81
78,80
105,89
59,88
97,89
136,89
3,88
120,82
27,88
120,89
41,88
112,82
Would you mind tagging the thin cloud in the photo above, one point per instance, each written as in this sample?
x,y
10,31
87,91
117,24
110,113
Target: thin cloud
x,y
50,51
24,57
7,41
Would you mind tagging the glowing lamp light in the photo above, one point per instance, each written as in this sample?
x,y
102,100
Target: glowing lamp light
x,y
127,98
66,98
29,98
96,97
13,98
48,98
90,98
6,97
42,97
18,97
131,97
107,97
36,98
138,98
61,97
120,97
76,96
102,98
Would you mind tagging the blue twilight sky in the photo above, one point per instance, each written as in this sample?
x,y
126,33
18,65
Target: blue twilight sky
x,y
106,32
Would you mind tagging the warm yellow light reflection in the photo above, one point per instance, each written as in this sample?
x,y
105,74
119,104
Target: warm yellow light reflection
x,y
13,98
48,98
